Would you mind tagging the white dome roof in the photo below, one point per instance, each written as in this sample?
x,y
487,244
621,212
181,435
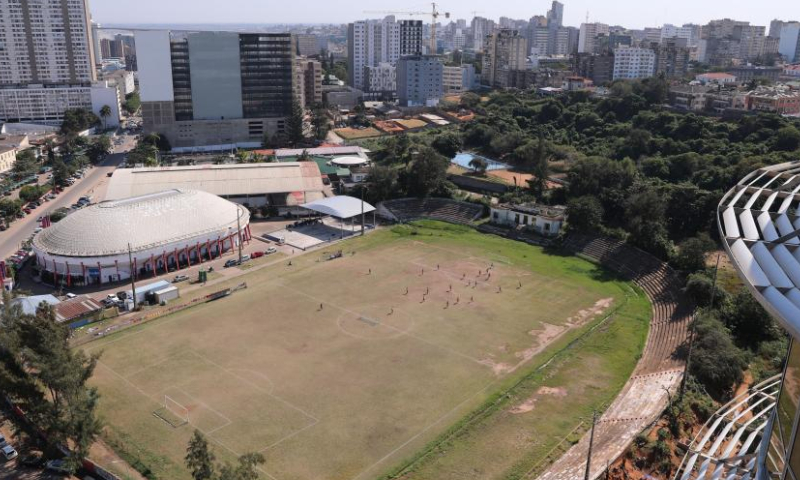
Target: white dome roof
x,y
144,222
349,161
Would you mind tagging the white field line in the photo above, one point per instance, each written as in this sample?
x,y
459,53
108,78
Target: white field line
x,y
204,404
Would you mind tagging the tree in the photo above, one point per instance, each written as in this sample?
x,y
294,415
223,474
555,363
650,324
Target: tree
x,y
645,222
691,254
77,120
24,165
29,193
427,174
585,214
470,100
699,287
143,154
447,144
749,323
159,141
319,121
294,124
132,103
61,173
534,157
382,182
105,112
716,361
47,379
787,139
199,459
479,165
98,149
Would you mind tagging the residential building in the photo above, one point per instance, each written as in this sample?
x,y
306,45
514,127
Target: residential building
x,y
457,80
612,41
481,28
381,81
419,80
792,71
634,62
576,84
46,105
8,155
307,44
122,80
789,43
504,50
98,57
598,68
587,42
312,82
672,58
545,220
371,42
215,88
778,99
689,32
726,42
716,78
46,43
746,73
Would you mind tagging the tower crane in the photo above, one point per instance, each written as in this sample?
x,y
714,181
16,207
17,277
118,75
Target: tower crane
x,y
434,13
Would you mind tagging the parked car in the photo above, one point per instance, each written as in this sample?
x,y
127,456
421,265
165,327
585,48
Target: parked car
x,y
58,466
34,460
256,254
3,441
231,263
27,211
270,251
122,295
180,278
245,258
70,295
9,453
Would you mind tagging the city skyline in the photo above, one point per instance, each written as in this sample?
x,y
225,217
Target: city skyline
x,y
626,12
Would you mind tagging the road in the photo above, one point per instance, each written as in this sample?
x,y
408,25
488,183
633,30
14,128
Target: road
x,y
93,184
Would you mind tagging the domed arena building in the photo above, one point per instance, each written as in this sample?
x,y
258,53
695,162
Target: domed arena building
x,y
145,236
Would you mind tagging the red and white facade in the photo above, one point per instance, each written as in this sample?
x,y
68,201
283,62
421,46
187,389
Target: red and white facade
x,y
166,231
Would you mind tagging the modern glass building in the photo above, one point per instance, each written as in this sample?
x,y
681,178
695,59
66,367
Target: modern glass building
x,y
755,434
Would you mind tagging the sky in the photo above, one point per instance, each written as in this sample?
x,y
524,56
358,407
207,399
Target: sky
x,y
628,13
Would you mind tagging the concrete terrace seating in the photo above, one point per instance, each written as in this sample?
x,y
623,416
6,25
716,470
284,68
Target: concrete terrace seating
x,y
643,398
446,210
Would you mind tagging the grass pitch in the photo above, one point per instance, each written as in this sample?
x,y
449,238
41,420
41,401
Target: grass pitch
x,y
345,369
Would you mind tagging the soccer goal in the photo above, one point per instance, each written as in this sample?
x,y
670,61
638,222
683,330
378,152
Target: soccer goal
x,y
173,412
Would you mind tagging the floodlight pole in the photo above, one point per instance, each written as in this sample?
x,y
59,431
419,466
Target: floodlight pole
x,y
133,276
363,219
239,229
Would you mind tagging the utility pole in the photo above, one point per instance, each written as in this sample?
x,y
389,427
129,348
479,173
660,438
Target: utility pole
x,y
133,276
239,229
362,210
591,444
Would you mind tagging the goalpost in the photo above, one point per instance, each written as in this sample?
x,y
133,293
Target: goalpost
x,y
173,412
175,408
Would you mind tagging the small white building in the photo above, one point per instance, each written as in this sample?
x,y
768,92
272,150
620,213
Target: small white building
x,y
543,219
8,155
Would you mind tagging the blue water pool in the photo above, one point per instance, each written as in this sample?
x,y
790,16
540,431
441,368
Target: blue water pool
x,y
463,159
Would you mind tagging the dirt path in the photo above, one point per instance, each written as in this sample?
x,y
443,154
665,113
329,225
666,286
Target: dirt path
x,y
104,456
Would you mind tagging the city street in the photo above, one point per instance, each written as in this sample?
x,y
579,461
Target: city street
x,y
93,184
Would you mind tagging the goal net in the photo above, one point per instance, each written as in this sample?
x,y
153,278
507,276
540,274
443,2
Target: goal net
x,y
173,412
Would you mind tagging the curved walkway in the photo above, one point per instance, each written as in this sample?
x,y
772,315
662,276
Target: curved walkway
x,y
644,397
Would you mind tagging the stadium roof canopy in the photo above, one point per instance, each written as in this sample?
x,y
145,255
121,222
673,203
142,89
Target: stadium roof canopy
x,y
340,207
142,222
349,161
759,221
223,180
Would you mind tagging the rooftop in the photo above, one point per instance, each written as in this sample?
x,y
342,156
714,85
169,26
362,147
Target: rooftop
x,y
547,211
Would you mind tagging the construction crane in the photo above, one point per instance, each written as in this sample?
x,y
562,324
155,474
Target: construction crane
x,y
434,13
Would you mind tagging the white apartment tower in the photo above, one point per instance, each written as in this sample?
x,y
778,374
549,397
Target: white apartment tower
x,y
46,42
372,42
631,63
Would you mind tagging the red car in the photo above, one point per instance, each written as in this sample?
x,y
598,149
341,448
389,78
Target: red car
x,y
256,254
26,210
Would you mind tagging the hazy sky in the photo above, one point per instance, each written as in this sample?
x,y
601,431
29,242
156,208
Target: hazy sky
x,y
630,13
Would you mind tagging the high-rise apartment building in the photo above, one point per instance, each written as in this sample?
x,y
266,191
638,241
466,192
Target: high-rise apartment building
x,y
587,39
371,42
46,42
631,63
213,88
481,27
47,62
307,44
419,80
504,50
312,82
672,58
789,43
381,81
457,80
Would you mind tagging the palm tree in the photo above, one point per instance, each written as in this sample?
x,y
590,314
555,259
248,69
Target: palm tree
x,y
105,112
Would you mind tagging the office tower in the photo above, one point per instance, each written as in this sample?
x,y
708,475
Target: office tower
x,y
789,46
419,80
214,88
98,57
307,44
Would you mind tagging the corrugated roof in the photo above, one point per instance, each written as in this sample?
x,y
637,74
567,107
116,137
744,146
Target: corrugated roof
x,y
327,151
76,308
144,222
223,180
340,207
30,304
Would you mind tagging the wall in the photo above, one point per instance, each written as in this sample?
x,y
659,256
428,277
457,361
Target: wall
x,y
155,66
103,95
216,75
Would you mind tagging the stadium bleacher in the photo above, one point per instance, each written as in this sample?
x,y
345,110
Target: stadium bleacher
x,y
410,209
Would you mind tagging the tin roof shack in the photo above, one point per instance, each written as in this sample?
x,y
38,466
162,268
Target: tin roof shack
x,y
545,220
79,311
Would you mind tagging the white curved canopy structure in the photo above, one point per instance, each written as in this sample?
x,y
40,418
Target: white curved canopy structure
x,y
340,207
349,161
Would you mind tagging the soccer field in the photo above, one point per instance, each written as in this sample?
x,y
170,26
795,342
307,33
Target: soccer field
x,y
342,369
